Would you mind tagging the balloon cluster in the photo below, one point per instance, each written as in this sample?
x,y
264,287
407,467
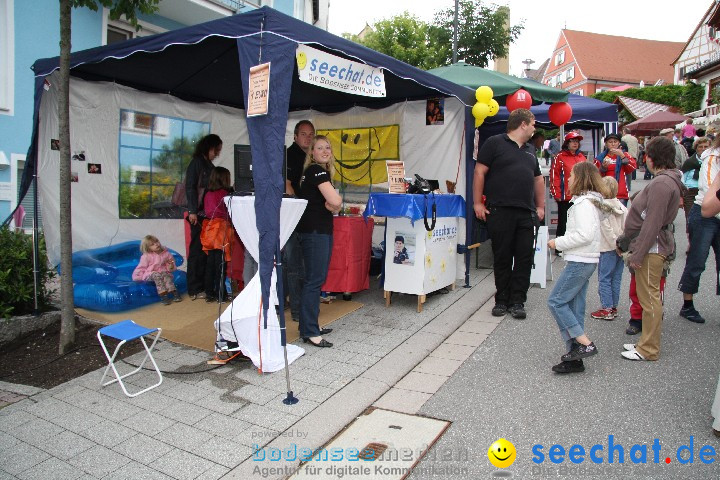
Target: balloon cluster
x,y
486,106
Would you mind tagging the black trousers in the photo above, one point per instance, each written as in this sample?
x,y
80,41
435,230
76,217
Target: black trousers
x,y
196,261
512,231
563,208
215,274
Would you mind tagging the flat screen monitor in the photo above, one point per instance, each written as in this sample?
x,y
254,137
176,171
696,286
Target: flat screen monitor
x,y
243,168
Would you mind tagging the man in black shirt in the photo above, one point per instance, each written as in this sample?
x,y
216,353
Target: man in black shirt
x,y
293,260
508,174
296,153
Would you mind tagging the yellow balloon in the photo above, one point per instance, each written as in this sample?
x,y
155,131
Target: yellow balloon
x,y
494,107
480,110
483,94
478,122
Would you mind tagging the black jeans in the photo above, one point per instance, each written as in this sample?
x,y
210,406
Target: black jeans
x,y
196,261
293,273
563,208
215,274
512,231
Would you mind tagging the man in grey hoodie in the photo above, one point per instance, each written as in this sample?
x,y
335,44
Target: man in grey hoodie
x,y
649,226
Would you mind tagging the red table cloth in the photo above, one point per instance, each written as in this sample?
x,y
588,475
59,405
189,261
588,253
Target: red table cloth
x,y
350,261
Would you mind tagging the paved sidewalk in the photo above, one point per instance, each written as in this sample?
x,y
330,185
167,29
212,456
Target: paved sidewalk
x,y
204,425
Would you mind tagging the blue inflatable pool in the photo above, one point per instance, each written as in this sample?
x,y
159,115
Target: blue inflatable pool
x,y
103,278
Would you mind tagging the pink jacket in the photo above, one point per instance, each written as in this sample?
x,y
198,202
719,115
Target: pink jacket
x,y
153,262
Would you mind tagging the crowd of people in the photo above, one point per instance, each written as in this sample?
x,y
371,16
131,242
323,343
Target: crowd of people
x,y
601,225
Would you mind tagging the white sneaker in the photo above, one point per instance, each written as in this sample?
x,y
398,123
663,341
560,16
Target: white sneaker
x,y
629,347
632,355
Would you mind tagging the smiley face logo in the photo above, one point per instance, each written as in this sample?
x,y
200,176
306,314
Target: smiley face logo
x,y
301,60
501,453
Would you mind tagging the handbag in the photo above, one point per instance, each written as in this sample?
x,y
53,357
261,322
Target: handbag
x,y
178,196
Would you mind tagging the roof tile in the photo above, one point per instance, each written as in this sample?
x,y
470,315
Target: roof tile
x,y
623,59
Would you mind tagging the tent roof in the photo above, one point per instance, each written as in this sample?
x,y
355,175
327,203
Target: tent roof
x,y
200,63
503,85
655,122
587,113
641,108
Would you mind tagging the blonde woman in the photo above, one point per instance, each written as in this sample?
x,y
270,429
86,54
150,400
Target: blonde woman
x,y
315,231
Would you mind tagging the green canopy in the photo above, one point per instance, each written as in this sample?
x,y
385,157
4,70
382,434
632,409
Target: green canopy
x,y
503,85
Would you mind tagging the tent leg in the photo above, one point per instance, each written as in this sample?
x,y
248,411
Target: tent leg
x,y
290,399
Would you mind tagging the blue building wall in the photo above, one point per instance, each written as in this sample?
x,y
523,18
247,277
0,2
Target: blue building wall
x,y
285,6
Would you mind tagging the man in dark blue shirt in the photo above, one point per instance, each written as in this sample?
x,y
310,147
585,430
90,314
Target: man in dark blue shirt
x,y
509,194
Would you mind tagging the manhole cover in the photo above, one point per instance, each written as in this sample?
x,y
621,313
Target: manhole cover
x,y
381,445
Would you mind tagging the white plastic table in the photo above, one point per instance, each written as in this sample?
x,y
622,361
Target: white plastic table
x,y
242,321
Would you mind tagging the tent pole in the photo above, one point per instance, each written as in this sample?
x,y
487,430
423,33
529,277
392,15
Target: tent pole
x,y
469,175
36,241
290,399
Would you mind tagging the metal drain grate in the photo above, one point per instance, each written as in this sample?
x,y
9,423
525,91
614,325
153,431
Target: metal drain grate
x,y
371,451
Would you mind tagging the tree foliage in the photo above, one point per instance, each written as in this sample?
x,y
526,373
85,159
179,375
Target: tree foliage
x,y
17,279
687,97
404,37
482,33
118,8
482,36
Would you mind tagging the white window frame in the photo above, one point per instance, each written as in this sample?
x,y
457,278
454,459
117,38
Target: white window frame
x,y
579,91
7,57
570,73
16,161
123,24
560,58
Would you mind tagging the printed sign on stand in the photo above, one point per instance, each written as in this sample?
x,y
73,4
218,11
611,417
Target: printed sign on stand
x,y
396,176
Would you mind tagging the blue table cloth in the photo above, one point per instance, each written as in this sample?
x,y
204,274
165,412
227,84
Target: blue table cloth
x,y
413,206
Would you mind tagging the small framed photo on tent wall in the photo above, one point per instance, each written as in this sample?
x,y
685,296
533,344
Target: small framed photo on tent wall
x,y
435,111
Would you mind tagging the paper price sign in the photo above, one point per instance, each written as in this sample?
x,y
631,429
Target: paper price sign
x,y
258,90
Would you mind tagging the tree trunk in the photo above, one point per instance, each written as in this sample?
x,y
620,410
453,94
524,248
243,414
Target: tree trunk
x,y
67,325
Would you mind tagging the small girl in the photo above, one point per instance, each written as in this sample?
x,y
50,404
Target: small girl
x,y
581,247
217,233
157,264
611,265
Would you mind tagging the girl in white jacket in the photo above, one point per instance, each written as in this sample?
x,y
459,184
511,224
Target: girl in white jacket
x,y
581,247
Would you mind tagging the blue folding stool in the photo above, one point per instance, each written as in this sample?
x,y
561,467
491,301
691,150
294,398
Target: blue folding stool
x,y
126,331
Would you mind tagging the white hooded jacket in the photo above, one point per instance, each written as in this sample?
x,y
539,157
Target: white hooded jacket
x,y
581,242
612,223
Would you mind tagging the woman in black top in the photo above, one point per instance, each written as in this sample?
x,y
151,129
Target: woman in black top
x,y
315,235
196,181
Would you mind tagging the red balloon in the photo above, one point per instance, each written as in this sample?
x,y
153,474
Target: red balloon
x,y
560,113
519,99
